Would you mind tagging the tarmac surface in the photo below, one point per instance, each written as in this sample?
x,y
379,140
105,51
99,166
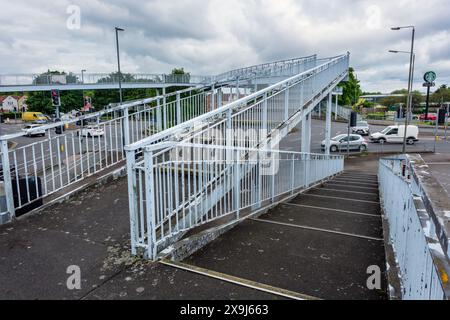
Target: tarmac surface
x,y
319,245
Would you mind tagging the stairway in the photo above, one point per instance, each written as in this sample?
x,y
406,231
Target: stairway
x,y
319,244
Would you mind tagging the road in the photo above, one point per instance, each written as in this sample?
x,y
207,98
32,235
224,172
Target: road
x,y
292,142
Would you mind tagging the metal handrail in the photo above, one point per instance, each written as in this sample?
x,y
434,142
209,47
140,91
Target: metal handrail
x,y
233,105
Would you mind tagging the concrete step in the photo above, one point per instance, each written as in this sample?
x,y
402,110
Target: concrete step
x,y
357,183
356,195
323,265
365,178
336,203
328,219
337,186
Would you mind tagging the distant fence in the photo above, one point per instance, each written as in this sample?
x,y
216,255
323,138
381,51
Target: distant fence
x,y
417,209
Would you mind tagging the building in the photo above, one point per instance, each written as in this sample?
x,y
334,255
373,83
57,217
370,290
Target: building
x,y
13,103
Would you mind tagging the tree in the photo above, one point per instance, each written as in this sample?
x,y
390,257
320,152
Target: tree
x,y
40,101
441,95
351,90
46,77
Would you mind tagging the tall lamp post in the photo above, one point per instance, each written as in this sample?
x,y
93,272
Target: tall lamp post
x,y
413,68
410,80
118,63
82,82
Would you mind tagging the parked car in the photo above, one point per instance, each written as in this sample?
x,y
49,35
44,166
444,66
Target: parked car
x,y
362,128
91,132
33,130
341,142
396,134
431,117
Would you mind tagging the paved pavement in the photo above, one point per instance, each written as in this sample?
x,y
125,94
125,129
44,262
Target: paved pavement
x,y
92,231
439,164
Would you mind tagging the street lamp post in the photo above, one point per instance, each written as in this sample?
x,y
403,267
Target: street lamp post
x,y
410,81
82,82
118,63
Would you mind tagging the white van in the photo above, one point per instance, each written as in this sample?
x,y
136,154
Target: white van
x,y
396,134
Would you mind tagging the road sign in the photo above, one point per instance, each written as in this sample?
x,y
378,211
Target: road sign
x,y
429,76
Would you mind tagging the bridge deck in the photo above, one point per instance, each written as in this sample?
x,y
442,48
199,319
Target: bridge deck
x,y
92,231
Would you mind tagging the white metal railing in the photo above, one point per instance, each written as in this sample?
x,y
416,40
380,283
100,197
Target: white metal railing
x,y
99,78
288,67
174,191
87,148
416,234
61,160
245,123
261,112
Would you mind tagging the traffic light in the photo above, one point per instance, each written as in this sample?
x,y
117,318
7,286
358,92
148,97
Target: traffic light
x,y
353,119
56,100
442,115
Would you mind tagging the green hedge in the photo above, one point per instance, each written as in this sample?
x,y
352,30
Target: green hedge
x,y
12,115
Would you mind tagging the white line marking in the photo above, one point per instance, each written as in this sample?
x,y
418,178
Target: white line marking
x,y
331,209
348,191
339,198
318,229
344,185
239,281
365,181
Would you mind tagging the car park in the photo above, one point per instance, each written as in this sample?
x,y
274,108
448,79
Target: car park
x,y
345,142
33,130
362,128
396,134
91,132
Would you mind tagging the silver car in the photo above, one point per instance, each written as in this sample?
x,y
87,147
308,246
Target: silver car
x,y
341,142
362,128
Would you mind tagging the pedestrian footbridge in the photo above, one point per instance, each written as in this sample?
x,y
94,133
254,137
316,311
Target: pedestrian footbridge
x,y
212,204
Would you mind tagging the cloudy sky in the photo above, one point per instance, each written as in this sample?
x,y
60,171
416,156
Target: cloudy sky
x,y
212,36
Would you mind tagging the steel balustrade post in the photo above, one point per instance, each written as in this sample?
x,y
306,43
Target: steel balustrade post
x,y
150,193
164,109
286,103
304,120
264,115
292,174
259,177
229,136
219,97
308,127
237,185
132,199
213,98
10,214
126,127
158,115
336,108
328,125
178,108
